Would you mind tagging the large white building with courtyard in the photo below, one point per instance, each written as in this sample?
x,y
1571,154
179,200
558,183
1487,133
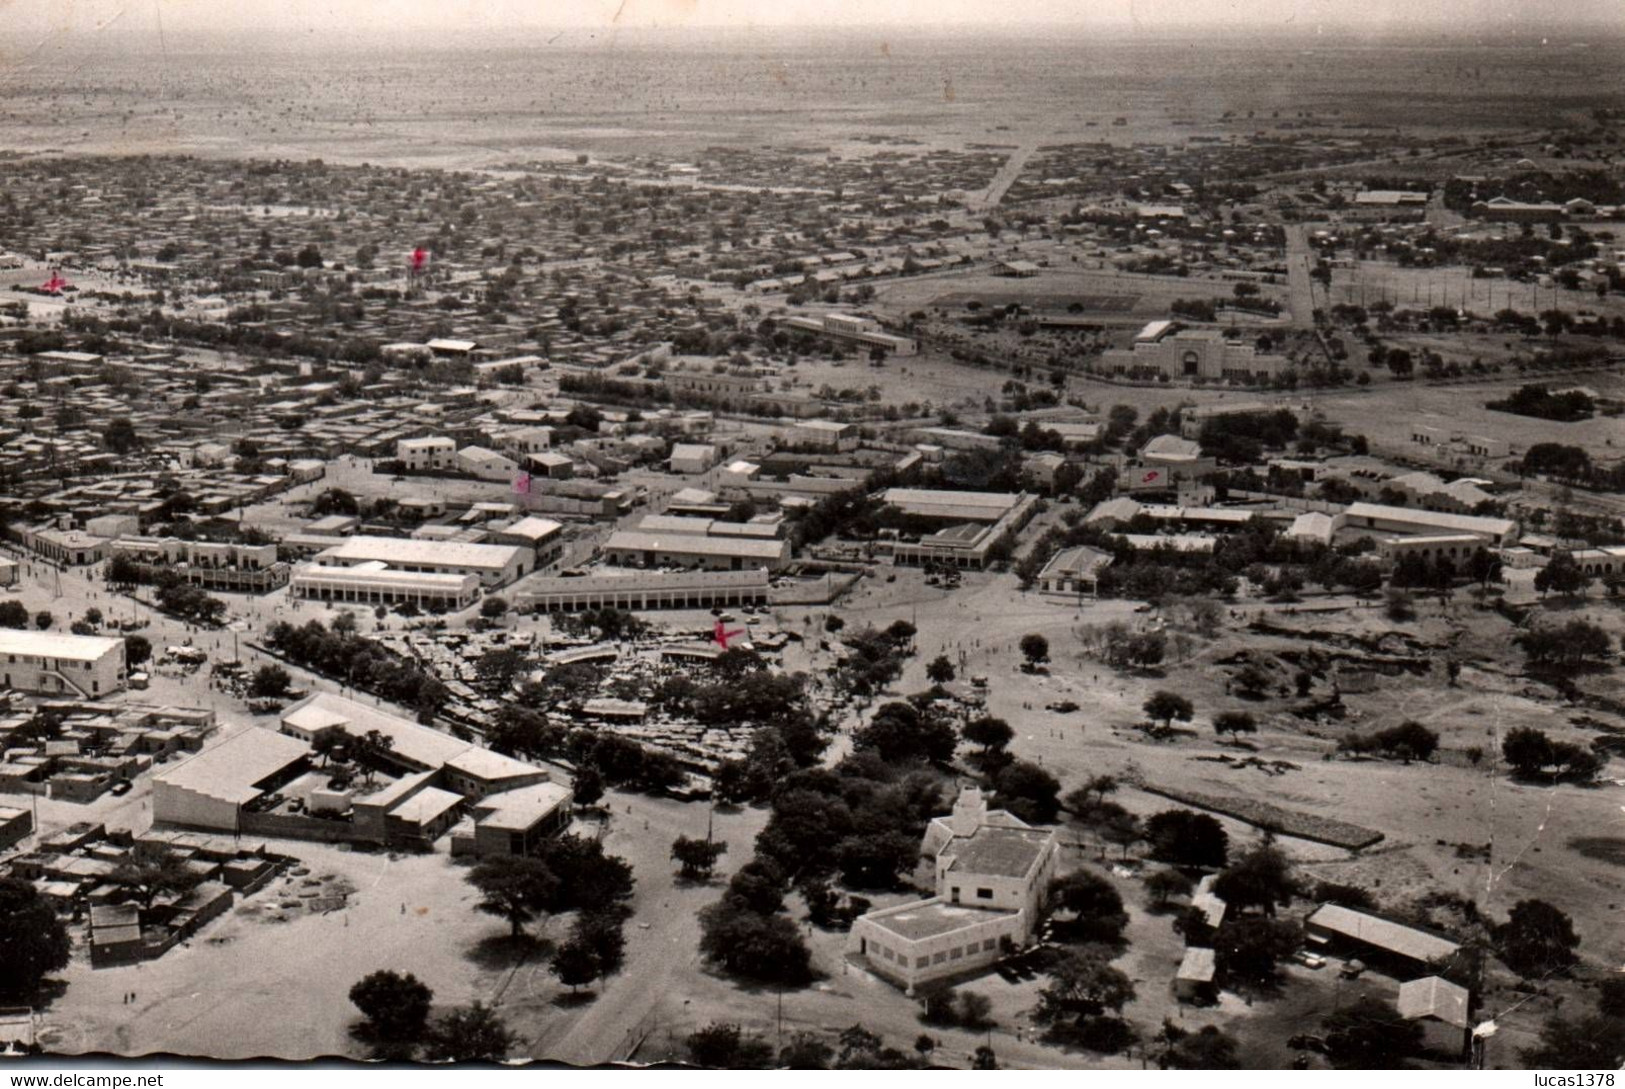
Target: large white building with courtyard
x,y
991,872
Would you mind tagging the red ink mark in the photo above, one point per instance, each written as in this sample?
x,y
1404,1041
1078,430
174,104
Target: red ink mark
x,y
721,634
521,484
420,259
55,285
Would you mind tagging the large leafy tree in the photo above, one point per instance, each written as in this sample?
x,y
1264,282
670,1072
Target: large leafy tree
x,y
1094,905
1586,1043
514,888
1182,837
475,1034
151,870
1537,939
1261,878
1083,984
396,1006
1368,1035
33,941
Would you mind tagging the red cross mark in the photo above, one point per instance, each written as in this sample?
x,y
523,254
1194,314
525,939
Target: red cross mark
x,y
721,634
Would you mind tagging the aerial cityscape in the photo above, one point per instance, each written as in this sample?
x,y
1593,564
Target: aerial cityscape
x,y
813,547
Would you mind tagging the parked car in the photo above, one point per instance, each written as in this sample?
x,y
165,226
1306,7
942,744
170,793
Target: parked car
x,y
122,787
1351,969
1309,960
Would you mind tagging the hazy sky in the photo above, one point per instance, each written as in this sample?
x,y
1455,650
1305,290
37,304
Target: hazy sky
x,y
55,17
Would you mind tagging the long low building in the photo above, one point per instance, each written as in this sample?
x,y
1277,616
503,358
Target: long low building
x,y
950,506
378,584
657,590
54,664
1408,520
635,548
431,781
211,789
494,565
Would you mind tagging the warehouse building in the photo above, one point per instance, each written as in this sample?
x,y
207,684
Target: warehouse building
x,y
1409,521
635,548
858,330
652,590
378,584
51,664
211,789
494,565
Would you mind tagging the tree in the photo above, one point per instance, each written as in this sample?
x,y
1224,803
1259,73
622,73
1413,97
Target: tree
x,y
1249,948
940,671
43,619
33,941
698,857
899,732
1164,706
1035,648
120,436
1083,984
514,888
1562,575
984,1058
396,1006
1208,1048
1611,997
494,607
497,668
1234,723
270,682
988,732
763,948
1030,792
151,870
1094,904
587,784
725,1047
1261,878
575,964
1183,837
1586,1043
1527,749
1165,885
1537,940
475,1034
600,931
806,1051
14,614
1370,1036
137,650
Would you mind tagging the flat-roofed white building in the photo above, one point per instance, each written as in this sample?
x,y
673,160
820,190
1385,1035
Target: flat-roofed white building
x,y
647,590
485,463
991,871
849,327
543,536
426,454
378,584
211,789
824,435
1407,520
55,664
692,457
494,565
634,548
949,506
